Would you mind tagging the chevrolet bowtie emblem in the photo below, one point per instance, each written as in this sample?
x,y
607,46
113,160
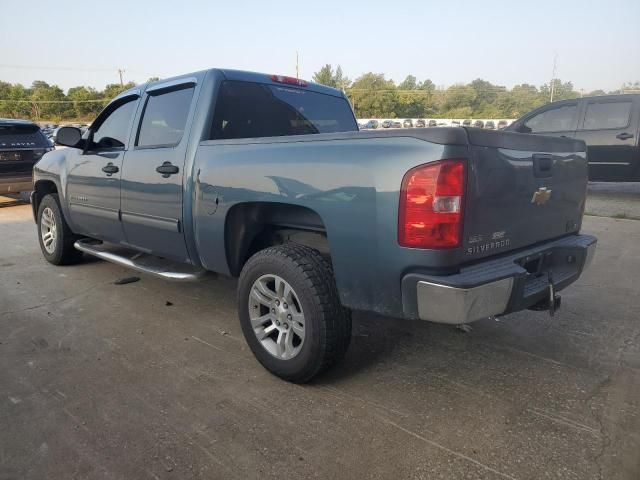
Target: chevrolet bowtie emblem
x,y
541,196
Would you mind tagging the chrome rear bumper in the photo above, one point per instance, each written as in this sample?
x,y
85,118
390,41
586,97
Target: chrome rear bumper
x,y
498,286
445,304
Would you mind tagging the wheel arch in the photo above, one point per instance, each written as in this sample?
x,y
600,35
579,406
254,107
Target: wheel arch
x,y
254,226
41,188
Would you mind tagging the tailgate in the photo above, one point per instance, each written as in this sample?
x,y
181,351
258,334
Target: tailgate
x,y
521,190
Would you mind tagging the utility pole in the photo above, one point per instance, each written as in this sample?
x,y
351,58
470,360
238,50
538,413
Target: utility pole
x,y
120,72
553,76
297,66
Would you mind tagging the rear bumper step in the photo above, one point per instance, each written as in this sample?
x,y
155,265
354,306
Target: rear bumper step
x,y
142,262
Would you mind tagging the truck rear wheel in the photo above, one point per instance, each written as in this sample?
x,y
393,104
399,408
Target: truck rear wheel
x,y
290,312
55,236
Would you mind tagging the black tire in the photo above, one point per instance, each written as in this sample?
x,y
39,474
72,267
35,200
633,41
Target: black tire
x,y
63,253
327,323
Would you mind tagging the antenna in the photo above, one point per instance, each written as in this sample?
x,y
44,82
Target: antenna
x,y
297,66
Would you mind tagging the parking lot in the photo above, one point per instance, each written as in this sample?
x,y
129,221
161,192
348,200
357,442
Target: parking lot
x,y
153,380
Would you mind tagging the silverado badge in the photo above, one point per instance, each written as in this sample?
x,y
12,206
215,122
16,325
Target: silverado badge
x,y
541,196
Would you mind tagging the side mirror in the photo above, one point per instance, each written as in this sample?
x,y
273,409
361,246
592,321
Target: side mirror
x,y
68,136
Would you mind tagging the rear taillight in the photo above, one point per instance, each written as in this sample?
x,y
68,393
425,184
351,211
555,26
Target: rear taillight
x,y
289,80
431,198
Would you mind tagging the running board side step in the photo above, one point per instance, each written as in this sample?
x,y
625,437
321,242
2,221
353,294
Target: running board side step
x,y
142,262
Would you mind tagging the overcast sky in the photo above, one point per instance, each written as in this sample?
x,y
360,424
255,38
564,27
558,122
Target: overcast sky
x,y
506,42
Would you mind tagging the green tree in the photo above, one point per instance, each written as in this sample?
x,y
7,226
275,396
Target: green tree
x,y
325,76
485,96
458,96
114,89
48,101
409,83
87,102
561,90
342,82
524,98
374,96
427,85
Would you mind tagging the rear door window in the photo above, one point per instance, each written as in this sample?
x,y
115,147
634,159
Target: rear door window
x,y
561,118
165,118
251,110
606,115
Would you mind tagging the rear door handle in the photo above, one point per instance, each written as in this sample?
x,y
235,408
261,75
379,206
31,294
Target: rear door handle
x,y
167,169
624,136
110,169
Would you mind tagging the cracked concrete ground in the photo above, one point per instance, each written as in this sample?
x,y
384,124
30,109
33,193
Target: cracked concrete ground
x,y
107,381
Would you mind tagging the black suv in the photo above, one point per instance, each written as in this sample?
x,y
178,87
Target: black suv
x,y
22,144
609,125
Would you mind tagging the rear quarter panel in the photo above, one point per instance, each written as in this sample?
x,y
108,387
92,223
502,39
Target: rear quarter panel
x,y
352,184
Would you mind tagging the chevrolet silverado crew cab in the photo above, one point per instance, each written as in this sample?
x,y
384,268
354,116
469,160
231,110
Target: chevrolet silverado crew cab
x,y
267,178
609,125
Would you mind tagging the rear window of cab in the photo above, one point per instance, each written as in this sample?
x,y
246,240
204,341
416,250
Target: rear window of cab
x,y
253,110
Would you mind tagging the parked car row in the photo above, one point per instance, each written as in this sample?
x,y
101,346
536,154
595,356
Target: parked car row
x,y
422,123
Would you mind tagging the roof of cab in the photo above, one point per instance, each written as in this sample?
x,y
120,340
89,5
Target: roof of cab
x,y
239,75
242,75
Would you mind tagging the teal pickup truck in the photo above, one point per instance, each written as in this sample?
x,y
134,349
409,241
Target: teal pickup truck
x,y
267,178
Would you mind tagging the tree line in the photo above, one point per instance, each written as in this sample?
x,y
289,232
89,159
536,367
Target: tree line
x,y
44,102
372,96
375,96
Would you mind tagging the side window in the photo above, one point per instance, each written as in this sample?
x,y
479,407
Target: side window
x,y
113,132
164,118
604,115
556,119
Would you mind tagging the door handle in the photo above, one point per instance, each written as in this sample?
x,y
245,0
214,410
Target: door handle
x,y
110,169
167,169
624,136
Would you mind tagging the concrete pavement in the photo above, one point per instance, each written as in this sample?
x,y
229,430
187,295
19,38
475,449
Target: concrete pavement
x,y
154,380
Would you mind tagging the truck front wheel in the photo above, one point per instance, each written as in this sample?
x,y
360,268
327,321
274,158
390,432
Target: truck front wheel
x,y
56,238
290,312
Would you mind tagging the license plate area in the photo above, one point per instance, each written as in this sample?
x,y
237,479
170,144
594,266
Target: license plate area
x,y
10,156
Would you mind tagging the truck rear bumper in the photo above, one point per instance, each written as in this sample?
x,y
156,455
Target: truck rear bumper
x,y
498,286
